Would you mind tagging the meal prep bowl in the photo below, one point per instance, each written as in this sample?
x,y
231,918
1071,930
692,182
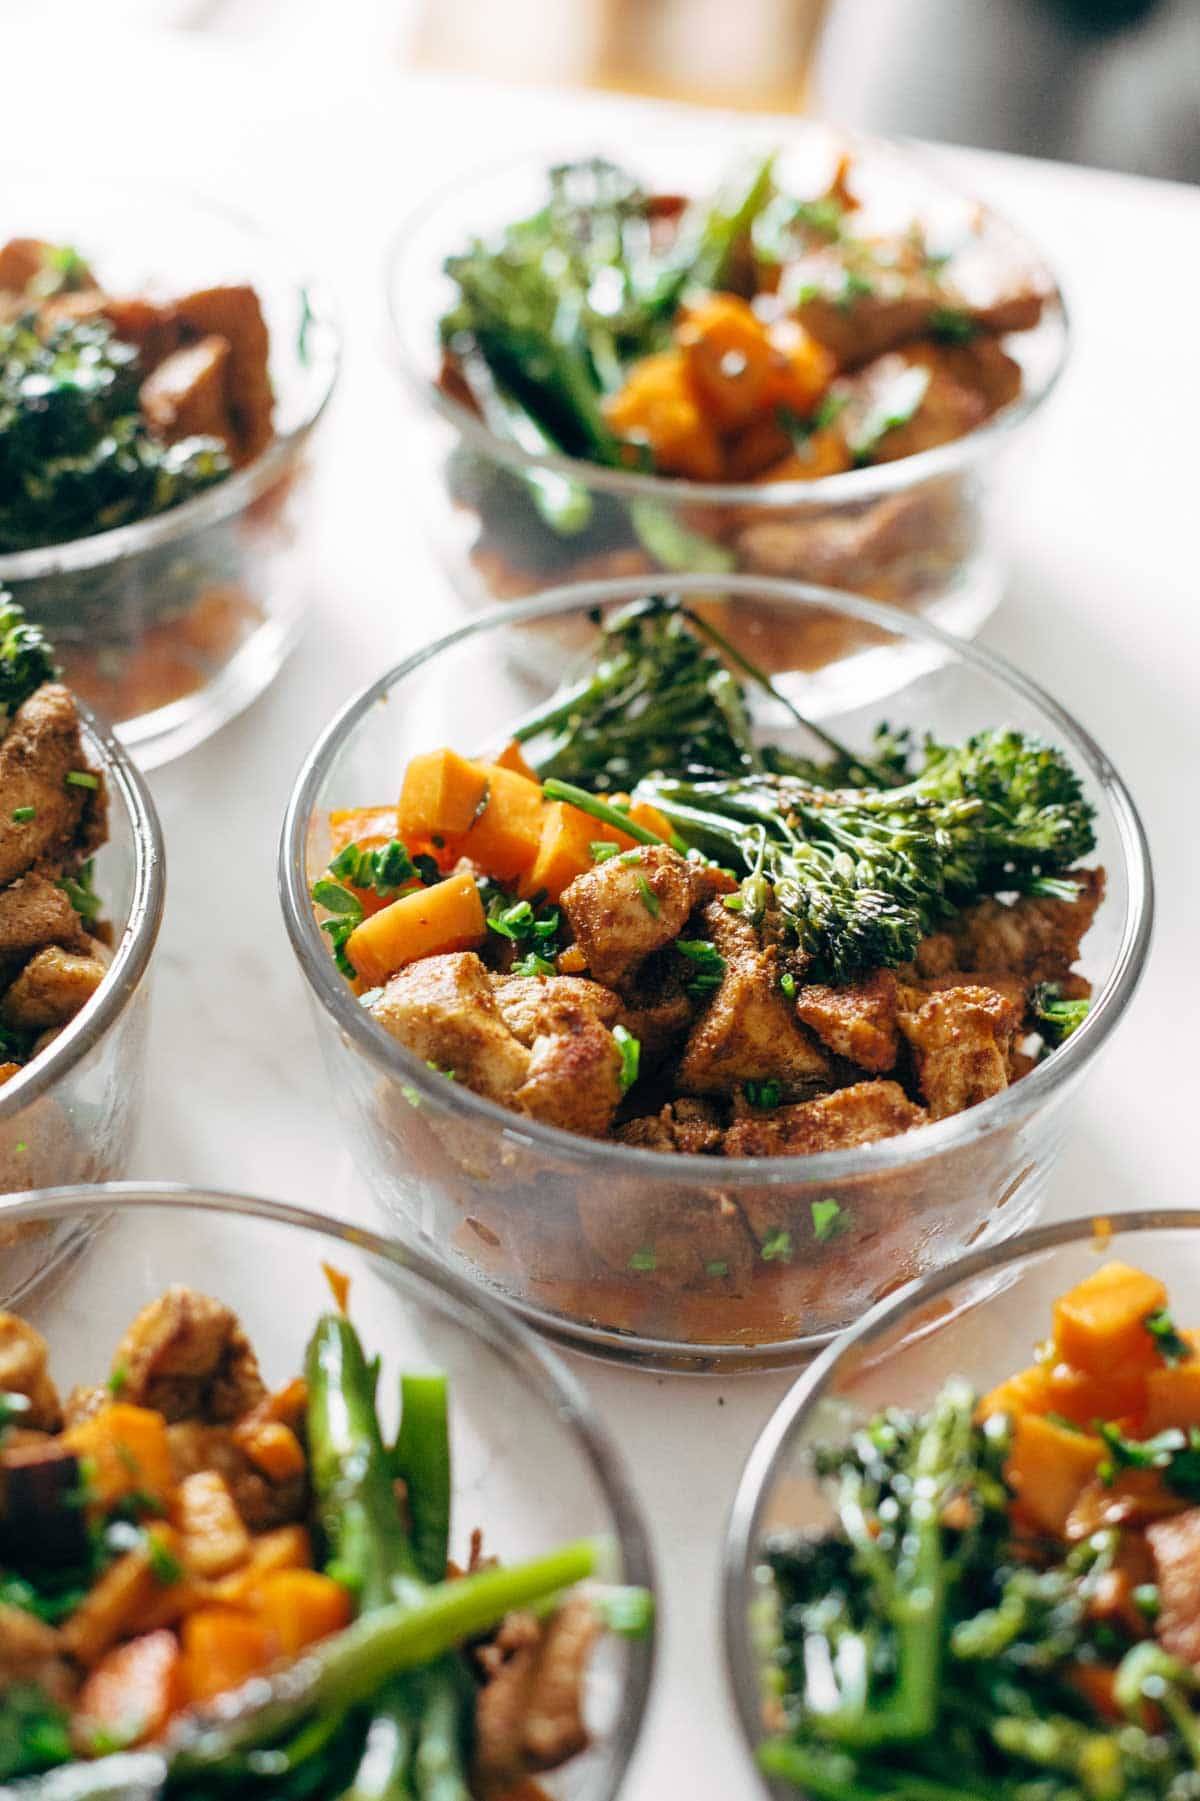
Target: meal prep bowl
x,y
71,1114
978,1320
169,626
515,1412
628,1251
916,532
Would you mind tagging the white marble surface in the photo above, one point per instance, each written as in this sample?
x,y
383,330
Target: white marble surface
x,y
1102,609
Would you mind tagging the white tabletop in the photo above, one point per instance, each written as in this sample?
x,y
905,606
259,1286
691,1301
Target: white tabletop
x,y
1102,609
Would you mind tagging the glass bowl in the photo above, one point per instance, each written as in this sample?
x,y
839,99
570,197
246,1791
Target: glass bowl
x,y
980,1319
71,1115
560,1225
917,533
514,1408
170,626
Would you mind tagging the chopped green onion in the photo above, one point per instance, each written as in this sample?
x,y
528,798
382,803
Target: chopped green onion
x,y
828,1218
643,1260
631,1056
22,815
777,1247
787,982
82,778
764,1094
650,900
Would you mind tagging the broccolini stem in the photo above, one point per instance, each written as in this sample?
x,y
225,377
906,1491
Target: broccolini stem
x,y
422,1458
607,814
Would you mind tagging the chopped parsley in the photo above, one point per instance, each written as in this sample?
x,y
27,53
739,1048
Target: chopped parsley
x,y
1056,1018
347,912
777,1247
1175,1454
787,983
1171,1344
708,965
22,815
765,1094
118,1380
81,894
385,871
631,1056
650,900
644,1260
534,965
855,286
829,1218
952,325
82,778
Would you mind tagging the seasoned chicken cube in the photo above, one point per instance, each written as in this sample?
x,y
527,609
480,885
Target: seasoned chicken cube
x,y
947,408
24,1370
533,1005
51,989
529,1711
655,1007
188,394
1175,1547
857,1022
31,1655
692,1128
22,261
40,749
234,313
187,1357
445,1011
749,1031
622,911
1032,936
574,1078
680,1237
852,1116
197,1448
961,1040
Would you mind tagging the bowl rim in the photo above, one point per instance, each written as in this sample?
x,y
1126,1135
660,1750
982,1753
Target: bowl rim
x,y
849,487
556,1387
237,492
132,955
392,1059
773,1444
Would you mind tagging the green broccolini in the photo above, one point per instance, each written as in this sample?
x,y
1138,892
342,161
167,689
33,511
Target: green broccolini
x,y
76,457
26,659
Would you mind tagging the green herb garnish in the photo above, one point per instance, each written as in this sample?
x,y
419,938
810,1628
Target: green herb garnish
x,y
631,1056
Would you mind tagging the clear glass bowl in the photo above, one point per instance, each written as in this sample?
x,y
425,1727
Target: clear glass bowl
x,y
71,1115
170,626
980,1319
917,533
514,1408
551,1220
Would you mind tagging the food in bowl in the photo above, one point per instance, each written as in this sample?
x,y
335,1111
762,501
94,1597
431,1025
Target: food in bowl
x,y
639,923
114,408
54,943
252,1585
1006,1603
764,339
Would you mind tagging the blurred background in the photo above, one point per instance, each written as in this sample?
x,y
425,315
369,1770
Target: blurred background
x,y
1115,83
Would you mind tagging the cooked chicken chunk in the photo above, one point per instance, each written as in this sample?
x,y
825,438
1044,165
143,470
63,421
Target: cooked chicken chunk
x,y
682,1237
624,910
531,1006
529,1713
21,261
51,989
41,747
31,1652
24,1370
962,1039
445,1010
833,1122
1030,936
749,1031
690,1127
234,313
186,1356
188,394
1175,1547
34,912
857,1021
197,1447
574,1078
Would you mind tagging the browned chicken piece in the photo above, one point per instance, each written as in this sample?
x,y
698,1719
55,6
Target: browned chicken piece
x,y
857,1022
749,1030
981,364
690,1127
445,1011
84,1403
529,1713
21,262
197,1446
35,912
574,1078
1032,937
1175,1547
40,749
679,1237
624,910
852,1116
187,395
234,313
32,1652
850,550
655,1008
962,1041
51,989
947,408
531,1006
24,1370
187,1357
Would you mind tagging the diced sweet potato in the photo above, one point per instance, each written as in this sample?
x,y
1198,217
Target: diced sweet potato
x,y
298,1607
426,923
659,407
728,357
1100,1325
1026,1392
368,826
273,1448
188,394
565,850
440,795
126,1451
1048,1469
222,1648
111,1605
513,757
505,838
